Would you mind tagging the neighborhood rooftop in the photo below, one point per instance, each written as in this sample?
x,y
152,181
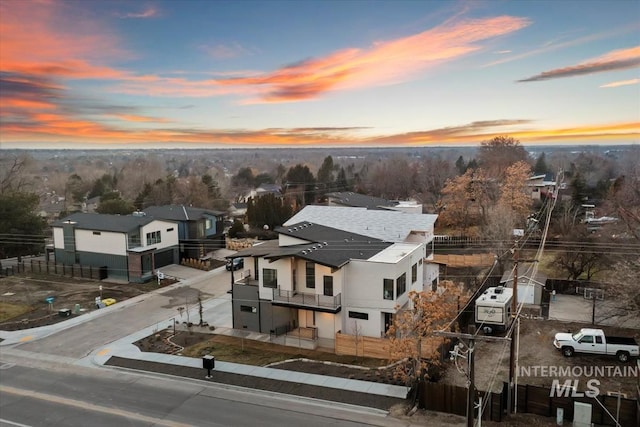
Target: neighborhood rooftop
x,y
348,198
104,222
178,212
328,246
389,226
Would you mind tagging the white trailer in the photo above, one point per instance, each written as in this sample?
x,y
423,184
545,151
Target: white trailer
x,y
493,309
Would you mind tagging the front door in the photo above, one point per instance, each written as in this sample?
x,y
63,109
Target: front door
x,y
388,321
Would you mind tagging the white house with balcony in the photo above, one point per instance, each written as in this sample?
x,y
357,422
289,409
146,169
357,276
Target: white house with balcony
x,y
317,280
125,247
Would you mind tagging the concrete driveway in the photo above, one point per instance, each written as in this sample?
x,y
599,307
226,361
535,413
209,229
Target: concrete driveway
x,y
575,308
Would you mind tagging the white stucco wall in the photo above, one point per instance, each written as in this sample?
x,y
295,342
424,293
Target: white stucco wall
x,y
283,266
363,291
167,238
106,242
328,324
58,238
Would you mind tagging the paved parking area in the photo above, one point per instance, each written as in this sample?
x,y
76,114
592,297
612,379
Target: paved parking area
x,y
575,308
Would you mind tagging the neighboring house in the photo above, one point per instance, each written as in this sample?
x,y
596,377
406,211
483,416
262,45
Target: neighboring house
x,y
125,247
199,230
531,283
238,210
91,205
262,190
326,279
541,187
357,200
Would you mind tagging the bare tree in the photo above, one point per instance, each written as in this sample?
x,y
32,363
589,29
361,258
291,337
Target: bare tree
x,y
579,257
12,173
431,175
497,154
411,334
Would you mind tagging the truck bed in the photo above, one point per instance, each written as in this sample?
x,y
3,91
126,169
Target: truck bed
x,y
620,340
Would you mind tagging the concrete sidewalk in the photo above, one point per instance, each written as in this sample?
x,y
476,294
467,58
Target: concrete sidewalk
x,y
124,348
216,312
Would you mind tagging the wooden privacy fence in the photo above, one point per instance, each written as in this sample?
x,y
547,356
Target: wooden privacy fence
x,y
530,399
471,260
453,400
379,348
44,267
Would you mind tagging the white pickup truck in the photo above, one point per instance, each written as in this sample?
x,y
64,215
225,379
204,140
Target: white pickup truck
x,y
594,341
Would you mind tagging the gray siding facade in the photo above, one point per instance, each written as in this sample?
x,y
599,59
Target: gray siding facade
x,y
254,314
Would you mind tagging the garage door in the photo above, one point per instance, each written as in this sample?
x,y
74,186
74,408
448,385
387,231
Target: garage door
x,y
163,258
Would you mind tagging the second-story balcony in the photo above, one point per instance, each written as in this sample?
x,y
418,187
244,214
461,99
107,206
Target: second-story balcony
x,y
327,304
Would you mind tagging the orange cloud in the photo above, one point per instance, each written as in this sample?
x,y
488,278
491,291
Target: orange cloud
x,y
616,60
621,83
139,119
44,126
384,63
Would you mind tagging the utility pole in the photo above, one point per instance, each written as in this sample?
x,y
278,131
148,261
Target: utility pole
x,y
471,337
514,313
471,393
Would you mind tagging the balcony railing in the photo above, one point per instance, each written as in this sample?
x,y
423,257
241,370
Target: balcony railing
x,y
301,299
246,278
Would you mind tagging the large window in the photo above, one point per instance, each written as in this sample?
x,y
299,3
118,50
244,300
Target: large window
x,y
270,278
311,275
328,285
153,238
387,292
358,315
401,284
414,273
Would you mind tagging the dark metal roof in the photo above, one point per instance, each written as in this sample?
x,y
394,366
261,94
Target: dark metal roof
x,y
358,200
105,222
525,272
179,213
327,246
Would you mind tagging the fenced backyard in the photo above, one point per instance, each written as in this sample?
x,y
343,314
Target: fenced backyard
x,y
605,409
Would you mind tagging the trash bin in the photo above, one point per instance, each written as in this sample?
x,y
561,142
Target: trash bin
x,y
76,309
208,362
64,312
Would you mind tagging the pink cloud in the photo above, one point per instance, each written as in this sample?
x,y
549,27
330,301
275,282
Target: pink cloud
x,y
621,59
621,83
384,63
149,12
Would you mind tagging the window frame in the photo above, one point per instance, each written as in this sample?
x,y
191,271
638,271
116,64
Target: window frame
x,y
310,279
390,284
327,280
267,280
401,284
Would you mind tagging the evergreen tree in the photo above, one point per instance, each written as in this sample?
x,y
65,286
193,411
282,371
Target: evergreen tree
x,y
22,230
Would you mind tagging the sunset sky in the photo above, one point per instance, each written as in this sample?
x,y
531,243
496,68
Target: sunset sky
x,y
203,73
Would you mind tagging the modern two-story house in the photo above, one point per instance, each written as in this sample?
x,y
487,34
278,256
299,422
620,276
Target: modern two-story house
x,y
126,247
327,280
199,230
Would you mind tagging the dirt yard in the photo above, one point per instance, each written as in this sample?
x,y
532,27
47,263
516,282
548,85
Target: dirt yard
x,y
537,353
233,349
23,298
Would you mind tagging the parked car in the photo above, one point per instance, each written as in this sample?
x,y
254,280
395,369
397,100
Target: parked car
x,y
235,264
594,341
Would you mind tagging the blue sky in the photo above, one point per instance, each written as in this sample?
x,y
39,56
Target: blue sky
x,y
317,73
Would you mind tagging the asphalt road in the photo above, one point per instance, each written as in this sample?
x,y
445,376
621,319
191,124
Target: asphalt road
x,y
80,340
62,395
